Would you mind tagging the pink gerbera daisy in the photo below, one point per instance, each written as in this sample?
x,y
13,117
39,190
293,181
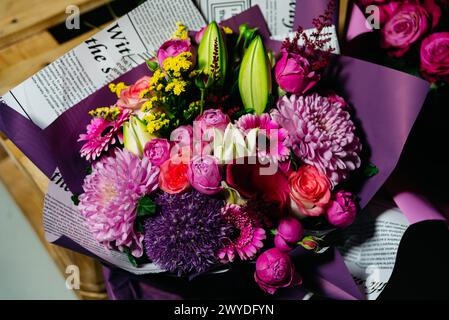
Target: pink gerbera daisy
x,y
101,134
248,237
271,133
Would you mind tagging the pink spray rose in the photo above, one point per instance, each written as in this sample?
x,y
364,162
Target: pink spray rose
x,y
129,97
204,174
289,231
294,74
274,270
157,151
182,139
342,210
212,119
172,48
408,24
435,57
309,190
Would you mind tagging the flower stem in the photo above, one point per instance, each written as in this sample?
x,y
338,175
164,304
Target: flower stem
x,y
202,101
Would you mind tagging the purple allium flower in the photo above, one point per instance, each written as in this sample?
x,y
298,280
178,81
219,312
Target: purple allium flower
x,y
321,134
111,194
186,234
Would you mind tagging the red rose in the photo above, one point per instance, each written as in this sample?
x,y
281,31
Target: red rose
x,y
173,176
309,190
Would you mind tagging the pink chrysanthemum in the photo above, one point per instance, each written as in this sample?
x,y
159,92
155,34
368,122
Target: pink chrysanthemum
x,y
275,137
101,134
321,134
248,236
111,194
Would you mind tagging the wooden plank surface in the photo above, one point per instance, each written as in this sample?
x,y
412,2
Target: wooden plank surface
x,y
15,71
20,19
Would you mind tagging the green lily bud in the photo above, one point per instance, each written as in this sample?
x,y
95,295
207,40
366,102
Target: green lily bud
x,y
213,45
255,77
135,136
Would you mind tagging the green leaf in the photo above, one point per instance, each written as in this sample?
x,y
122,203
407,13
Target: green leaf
x,y
131,258
370,170
75,199
146,207
152,65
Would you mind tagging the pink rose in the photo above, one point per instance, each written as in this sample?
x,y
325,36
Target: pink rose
x,y
212,119
158,151
129,97
173,176
294,74
199,34
407,25
342,210
309,190
435,57
204,174
289,231
182,139
172,48
274,270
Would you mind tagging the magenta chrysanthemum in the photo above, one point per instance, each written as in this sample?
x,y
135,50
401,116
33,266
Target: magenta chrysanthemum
x,y
186,233
101,134
276,137
111,194
248,237
321,134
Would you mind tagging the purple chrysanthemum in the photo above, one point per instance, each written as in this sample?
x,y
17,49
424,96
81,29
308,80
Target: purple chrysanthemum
x,y
321,134
111,194
187,233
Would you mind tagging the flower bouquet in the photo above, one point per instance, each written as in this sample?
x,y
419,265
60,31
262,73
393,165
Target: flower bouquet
x,y
226,151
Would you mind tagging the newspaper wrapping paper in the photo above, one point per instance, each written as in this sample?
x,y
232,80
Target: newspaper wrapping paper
x,y
55,146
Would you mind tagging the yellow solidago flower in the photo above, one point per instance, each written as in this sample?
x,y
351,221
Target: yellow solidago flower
x,y
153,102
156,121
176,86
156,79
117,88
182,32
106,113
227,30
179,64
192,109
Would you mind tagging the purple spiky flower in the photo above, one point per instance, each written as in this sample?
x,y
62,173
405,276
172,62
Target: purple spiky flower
x,y
187,232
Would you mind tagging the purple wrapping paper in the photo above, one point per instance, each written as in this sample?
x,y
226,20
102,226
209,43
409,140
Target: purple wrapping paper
x,y
386,103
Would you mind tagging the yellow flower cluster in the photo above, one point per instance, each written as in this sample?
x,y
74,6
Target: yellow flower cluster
x,y
192,109
181,32
105,113
156,121
153,102
177,86
175,66
117,88
227,30
156,80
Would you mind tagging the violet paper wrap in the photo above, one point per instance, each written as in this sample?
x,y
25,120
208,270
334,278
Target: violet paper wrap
x,y
387,102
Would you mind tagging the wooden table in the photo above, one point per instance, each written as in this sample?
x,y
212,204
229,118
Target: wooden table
x,y
26,46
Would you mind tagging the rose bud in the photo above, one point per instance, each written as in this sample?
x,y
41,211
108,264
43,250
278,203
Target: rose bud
x,y
341,210
135,136
294,74
435,57
309,243
289,232
157,151
211,41
309,191
172,48
255,77
275,269
204,174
